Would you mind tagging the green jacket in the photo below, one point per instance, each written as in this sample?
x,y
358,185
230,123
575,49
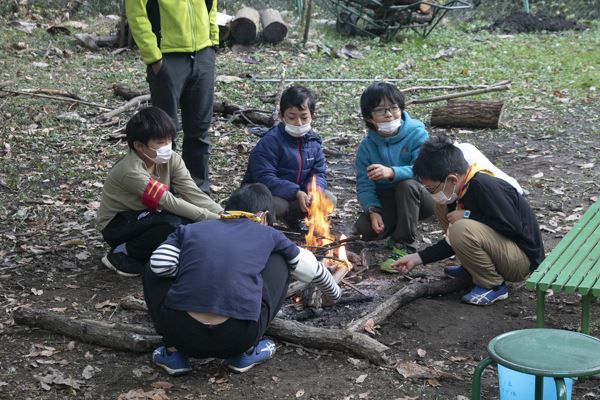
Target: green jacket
x,y
172,26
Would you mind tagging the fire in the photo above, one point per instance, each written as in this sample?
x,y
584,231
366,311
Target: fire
x,y
317,220
319,233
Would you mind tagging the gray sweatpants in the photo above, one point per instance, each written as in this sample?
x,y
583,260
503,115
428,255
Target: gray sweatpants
x,y
187,80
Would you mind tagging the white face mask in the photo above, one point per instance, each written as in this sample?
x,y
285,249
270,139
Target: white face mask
x,y
441,198
297,131
163,154
389,128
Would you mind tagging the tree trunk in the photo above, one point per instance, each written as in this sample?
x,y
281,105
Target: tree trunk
x,y
468,114
405,295
335,339
244,27
274,29
116,336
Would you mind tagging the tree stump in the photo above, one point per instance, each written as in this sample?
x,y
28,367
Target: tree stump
x,y
468,114
244,27
274,29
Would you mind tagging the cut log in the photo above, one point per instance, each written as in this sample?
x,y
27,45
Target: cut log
x,y
244,27
425,8
89,331
419,18
468,114
408,293
334,339
223,21
274,29
126,92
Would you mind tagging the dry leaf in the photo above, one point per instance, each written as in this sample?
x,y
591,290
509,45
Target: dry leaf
x,y
370,327
105,304
433,382
275,379
139,394
413,370
361,378
299,393
162,385
421,353
364,395
58,309
538,175
37,292
88,372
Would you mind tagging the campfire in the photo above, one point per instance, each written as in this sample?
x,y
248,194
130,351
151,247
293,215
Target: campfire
x,y
319,238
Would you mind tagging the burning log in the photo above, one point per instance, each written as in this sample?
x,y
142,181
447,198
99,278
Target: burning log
x,y
408,293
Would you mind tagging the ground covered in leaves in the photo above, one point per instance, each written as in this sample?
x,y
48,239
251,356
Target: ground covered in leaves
x,y
54,156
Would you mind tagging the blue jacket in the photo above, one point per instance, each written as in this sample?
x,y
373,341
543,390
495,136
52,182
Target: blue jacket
x,y
286,164
398,152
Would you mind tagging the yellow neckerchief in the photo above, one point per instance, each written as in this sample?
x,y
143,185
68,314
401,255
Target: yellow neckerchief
x,y
241,214
471,171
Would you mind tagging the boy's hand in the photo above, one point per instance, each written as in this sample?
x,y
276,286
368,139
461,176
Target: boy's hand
x,y
406,263
376,172
376,222
455,215
303,200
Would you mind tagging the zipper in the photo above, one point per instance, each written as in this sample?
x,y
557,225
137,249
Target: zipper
x,y
299,163
192,27
387,147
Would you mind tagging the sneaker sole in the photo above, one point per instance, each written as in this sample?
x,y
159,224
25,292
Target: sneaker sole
x,y
174,372
244,369
109,265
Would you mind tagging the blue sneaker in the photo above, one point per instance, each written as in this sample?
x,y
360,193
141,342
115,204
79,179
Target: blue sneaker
x,y
264,350
174,363
484,297
457,272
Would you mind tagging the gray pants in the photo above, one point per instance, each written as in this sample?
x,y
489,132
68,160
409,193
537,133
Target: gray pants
x,y
289,211
401,208
188,80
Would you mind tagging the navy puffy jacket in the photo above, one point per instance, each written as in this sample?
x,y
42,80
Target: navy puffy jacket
x,y
286,164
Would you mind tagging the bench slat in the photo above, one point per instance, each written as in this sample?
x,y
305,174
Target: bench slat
x,y
580,267
562,246
596,289
590,280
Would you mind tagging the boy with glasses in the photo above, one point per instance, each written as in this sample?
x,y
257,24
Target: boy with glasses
x,y
491,228
392,200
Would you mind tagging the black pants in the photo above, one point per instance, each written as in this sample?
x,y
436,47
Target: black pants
x,y
141,231
188,80
401,208
232,337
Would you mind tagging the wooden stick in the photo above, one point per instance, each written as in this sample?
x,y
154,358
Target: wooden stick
x,y
408,293
457,95
130,104
59,98
89,331
344,340
353,286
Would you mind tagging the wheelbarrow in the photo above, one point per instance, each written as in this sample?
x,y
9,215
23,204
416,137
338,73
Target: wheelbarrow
x,y
384,18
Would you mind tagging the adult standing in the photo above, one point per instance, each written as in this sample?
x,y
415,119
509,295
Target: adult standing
x,y
177,41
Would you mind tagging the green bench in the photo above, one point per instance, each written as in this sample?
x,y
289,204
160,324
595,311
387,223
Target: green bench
x,y
572,267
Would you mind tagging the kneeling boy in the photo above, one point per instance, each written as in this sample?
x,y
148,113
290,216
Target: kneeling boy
x,y
492,231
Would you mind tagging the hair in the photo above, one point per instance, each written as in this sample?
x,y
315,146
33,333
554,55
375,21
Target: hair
x,y
374,95
149,123
252,198
439,158
296,96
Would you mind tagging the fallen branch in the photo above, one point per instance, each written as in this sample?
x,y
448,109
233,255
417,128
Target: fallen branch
x,y
90,331
325,338
59,98
408,293
130,104
457,95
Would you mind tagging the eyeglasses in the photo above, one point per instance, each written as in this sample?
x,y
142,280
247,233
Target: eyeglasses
x,y
432,191
381,111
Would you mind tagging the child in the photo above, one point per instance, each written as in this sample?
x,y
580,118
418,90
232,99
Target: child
x,y
213,287
288,157
492,230
137,210
392,200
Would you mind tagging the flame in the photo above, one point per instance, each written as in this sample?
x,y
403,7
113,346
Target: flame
x,y
317,220
319,233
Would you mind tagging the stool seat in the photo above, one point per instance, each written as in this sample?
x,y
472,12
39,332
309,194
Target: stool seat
x,y
547,352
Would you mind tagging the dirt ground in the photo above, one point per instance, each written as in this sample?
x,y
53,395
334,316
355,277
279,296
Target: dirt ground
x,y
439,332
